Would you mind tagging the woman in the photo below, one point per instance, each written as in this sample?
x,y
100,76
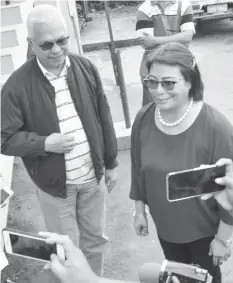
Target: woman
x,y
176,132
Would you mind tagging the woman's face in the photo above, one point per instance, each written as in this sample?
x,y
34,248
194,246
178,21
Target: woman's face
x,y
169,96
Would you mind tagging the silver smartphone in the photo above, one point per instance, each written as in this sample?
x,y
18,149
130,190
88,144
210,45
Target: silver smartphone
x,y
193,182
28,245
6,194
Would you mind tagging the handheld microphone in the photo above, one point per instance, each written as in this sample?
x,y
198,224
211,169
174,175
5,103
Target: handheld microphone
x,y
185,273
150,273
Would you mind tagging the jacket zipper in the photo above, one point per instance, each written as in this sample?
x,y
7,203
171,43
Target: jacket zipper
x,y
68,84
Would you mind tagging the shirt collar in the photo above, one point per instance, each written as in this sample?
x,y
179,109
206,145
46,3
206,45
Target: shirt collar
x,y
49,74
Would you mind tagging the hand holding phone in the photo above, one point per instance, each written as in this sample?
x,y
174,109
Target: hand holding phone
x,y
225,197
194,182
76,268
32,246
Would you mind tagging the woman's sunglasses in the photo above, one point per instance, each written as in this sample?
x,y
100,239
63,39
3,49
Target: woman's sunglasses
x,y
166,84
49,45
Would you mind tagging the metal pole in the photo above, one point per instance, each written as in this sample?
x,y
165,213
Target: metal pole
x,y
85,8
109,23
74,18
123,90
112,43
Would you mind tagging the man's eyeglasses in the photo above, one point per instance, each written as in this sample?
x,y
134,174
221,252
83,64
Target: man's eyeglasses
x,y
166,84
59,42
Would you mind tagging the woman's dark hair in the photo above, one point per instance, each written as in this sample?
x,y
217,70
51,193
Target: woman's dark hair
x,y
177,54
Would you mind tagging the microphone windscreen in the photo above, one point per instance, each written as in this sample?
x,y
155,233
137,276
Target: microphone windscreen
x,y
149,273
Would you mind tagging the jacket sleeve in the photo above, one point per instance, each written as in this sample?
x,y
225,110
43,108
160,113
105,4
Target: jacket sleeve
x,y
15,141
110,141
136,190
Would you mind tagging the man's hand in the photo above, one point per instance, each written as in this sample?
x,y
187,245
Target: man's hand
x,y
75,268
110,179
148,41
219,252
59,143
225,197
141,226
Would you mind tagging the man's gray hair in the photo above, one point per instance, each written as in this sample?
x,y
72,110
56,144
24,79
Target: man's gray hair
x,y
42,14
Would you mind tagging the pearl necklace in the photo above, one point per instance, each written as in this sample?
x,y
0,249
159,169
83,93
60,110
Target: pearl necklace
x,y
179,120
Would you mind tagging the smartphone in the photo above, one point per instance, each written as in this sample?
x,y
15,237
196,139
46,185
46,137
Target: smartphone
x,y
32,246
194,182
6,194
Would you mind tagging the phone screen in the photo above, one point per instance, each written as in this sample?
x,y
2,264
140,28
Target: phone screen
x,y
4,196
30,247
194,183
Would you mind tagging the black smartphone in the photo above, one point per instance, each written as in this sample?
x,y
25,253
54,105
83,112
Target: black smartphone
x,y
194,182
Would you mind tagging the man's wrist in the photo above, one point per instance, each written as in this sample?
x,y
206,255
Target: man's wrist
x,y
161,40
40,145
155,42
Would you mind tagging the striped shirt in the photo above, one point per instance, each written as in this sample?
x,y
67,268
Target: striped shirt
x,y
153,20
79,165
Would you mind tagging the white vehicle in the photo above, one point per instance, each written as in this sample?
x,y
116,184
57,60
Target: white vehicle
x,y
212,10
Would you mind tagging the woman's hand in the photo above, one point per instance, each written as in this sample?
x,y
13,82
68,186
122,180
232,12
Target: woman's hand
x,y
141,225
219,252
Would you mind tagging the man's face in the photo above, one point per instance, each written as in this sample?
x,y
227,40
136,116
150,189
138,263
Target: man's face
x,y
50,43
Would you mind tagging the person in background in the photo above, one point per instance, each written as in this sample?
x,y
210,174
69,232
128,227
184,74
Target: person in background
x,y
179,131
159,22
76,268
56,117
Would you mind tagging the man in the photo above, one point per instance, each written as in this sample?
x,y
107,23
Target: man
x,y
159,22
76,269
55,116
